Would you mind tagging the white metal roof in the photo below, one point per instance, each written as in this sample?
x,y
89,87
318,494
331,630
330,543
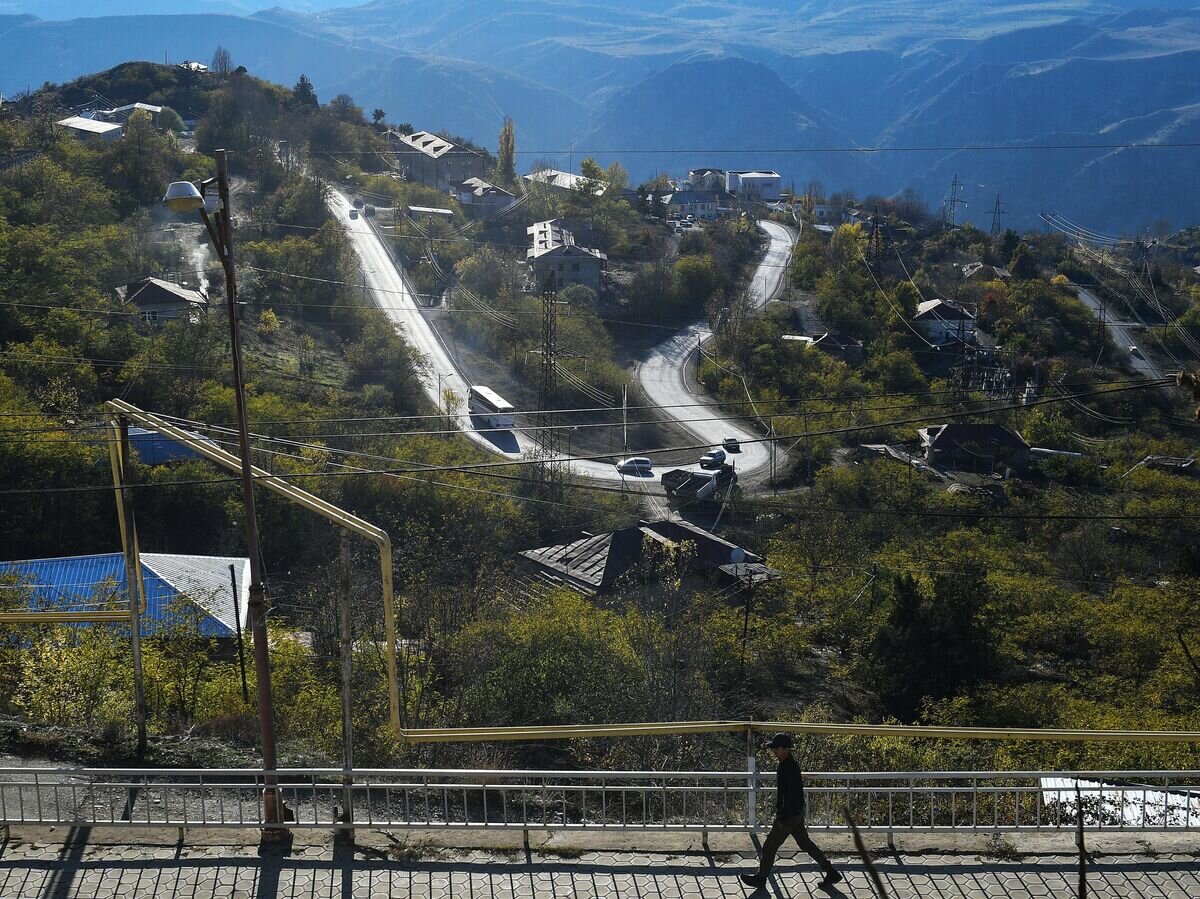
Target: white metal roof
x,y
1121,805
205,580
91,126
130,107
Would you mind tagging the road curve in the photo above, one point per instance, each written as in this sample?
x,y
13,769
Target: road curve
x,y
393,294
663,374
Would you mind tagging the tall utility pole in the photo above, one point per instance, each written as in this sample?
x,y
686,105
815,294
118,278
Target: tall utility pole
x,y
997,211
949,211
875,246
550,470
220,229
347,652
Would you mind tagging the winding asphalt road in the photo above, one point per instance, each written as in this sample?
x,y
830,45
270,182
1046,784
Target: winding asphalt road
x,y
1121,333
662,376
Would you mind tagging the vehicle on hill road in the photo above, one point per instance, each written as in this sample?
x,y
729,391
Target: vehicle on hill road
x,y
639,465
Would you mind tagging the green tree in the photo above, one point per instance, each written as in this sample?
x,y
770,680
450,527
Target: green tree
x,y
304,94
694,280
506,153
616,177
906,298
377,118
170,120
1023,264
932,646
560,660
345,109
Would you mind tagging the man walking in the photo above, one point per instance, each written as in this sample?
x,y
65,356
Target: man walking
x,y
789,818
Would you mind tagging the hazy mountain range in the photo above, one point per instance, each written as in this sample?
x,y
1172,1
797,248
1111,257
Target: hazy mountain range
x,y
670,85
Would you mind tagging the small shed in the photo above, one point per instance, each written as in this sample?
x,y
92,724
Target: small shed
x,y
92,130
595,563
974,446
158,300
89,583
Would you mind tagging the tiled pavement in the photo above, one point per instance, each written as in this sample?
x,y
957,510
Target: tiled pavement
x,y
64,866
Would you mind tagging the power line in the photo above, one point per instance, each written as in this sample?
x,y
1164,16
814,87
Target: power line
x,y
470,468
715,403
916,148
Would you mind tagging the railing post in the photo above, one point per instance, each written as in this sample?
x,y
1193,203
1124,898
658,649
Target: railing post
x,y
752,795
1082,894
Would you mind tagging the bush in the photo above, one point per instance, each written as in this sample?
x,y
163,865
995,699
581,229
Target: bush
x,y
268,323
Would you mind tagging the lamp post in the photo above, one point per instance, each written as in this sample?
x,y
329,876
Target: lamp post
x,y
184,197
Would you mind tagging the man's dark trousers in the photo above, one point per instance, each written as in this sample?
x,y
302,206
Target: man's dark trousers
x,y
780,831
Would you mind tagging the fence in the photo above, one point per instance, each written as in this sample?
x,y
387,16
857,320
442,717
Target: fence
x,y
734,801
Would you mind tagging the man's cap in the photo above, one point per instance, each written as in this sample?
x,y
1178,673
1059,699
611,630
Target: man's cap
x,y
780,741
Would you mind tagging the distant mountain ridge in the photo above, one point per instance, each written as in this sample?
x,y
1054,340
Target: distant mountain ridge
x,y
724,113
649,79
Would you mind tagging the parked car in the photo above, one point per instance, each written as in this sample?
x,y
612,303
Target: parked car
x,y
713,459
678,230
732,444
368,210
358,202
1134,351
635,465
353,213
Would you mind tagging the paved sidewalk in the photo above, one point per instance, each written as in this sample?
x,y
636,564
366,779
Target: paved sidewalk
x,y
58,865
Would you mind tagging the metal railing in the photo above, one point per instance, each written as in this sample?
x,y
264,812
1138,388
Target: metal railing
x,y
603,800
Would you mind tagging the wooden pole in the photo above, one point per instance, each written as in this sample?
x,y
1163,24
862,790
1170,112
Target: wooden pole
x,y
119,459
237,621
347,708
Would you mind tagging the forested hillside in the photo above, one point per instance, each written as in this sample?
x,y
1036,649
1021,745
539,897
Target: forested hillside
x,y
1058,593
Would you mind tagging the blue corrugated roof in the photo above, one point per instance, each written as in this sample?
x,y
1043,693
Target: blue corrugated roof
x,y
84,583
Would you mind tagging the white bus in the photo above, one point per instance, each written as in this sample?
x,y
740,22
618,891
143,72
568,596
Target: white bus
x,y
494,408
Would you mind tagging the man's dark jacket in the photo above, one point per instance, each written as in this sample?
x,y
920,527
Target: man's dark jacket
x,y
789,801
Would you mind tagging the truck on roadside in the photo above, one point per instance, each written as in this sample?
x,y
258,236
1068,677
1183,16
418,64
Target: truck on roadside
x,y
692,483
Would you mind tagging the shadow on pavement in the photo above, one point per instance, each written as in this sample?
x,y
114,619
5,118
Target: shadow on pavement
x,y
504,441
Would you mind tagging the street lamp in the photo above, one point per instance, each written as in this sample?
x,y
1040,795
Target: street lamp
x,y
185,197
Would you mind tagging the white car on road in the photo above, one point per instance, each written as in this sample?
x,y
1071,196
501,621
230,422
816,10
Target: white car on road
x,y
639,465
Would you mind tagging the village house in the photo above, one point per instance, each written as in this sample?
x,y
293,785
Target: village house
x,y
978,271
839,346
975,447
69,583
565,181
553,249
598,563
944,321
158,301
121,114
707,179
431,160
481,198
829,213
701,204
753,185
91,130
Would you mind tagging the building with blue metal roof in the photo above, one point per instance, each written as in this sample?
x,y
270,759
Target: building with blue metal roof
x,y
90,583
